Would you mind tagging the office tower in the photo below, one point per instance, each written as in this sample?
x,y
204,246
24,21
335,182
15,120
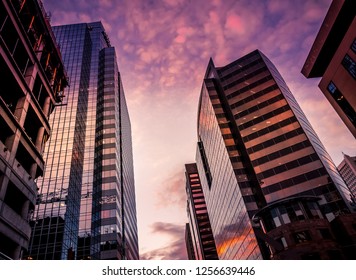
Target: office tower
x,y
189,243
333,58
256,149
201,236
347,169
86,206
32,80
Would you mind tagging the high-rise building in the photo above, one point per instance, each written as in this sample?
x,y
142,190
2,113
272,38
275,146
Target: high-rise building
x,y
32,79
86,206
347,169
333,58
189,243
258,157
199,233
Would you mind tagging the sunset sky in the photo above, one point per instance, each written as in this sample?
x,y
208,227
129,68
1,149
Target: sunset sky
x,y
163,48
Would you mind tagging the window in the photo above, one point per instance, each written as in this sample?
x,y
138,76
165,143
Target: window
x,y
301,236
205,163
283,242
350,65
342,102
353,46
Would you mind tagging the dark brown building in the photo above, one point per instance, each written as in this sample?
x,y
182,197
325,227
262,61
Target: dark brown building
x,y
32,79
333,58
344,227
295,229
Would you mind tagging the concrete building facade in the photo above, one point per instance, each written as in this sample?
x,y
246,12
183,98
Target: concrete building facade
x,y
32,80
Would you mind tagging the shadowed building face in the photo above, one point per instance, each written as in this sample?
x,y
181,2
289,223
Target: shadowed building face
x,y
333,58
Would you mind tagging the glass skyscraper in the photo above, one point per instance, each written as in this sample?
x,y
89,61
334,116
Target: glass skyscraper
x,y
86,206
257,148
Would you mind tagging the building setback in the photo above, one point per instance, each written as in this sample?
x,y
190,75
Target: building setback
x,y
86,208
201,244
258,157
32,79
333,58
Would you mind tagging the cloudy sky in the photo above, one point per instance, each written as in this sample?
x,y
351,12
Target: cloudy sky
x,y
163,48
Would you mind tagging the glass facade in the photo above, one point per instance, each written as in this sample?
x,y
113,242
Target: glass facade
x,y
73,207
259,148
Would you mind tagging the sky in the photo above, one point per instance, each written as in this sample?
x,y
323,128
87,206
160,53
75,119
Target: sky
x,y
163,48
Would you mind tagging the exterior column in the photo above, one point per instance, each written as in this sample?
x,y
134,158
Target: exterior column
x,y
30,76
12,144
39,139
33,170
17,253
21,109
25,210
3,186
46,106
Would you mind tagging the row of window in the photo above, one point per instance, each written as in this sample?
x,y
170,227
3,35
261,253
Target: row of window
x,y
287,166
205,163
275,140
269,129
246,77
267,116
259,106
290,213
254,96
239,70
248,87
242,62
281,153
350,65
294,181
342,102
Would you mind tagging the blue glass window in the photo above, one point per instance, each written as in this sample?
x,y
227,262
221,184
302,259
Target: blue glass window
x,y
350,65
353,46
342,102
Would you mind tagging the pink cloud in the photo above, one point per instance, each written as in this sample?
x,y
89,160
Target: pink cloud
x,y
173,191
163,47
235,24
183,33
174,250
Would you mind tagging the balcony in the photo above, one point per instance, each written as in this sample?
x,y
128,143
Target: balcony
x,y
16,222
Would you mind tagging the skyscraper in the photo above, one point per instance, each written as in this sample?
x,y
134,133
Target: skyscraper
x,y
256,149
333,58
347,169
199,232
86,208
32,79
